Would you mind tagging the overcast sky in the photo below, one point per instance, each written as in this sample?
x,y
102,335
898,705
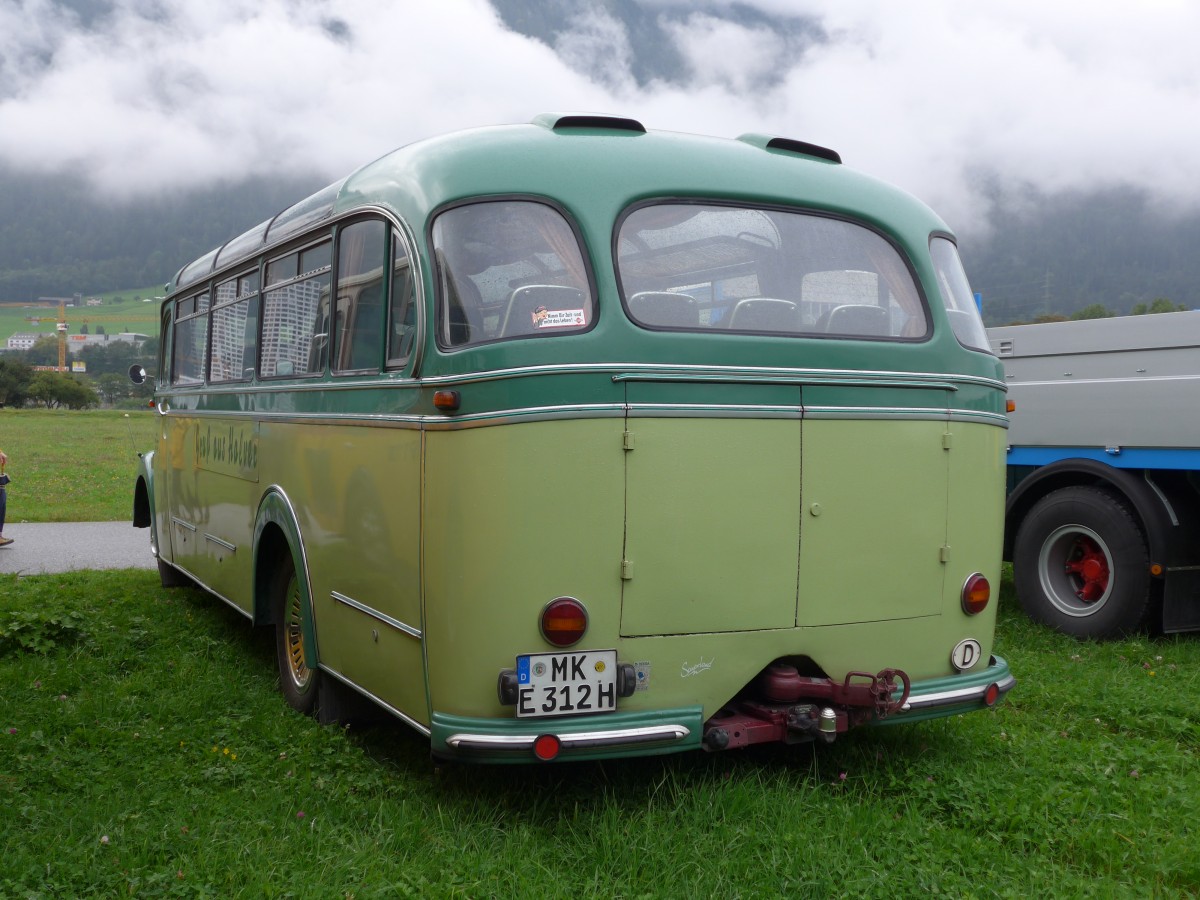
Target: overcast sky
x,y
947,99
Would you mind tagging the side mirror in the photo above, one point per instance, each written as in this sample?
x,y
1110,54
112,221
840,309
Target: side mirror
x,y
137,374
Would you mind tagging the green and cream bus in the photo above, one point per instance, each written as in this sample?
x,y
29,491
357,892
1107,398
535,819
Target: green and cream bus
x,y
572,440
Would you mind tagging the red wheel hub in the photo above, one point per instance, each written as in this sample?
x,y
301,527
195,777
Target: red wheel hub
x,y
1089,566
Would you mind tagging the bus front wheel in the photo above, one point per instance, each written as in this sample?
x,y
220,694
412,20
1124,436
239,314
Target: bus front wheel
x,y
297,681
1080,564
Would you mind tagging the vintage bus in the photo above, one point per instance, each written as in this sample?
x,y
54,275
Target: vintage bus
x,y
574,440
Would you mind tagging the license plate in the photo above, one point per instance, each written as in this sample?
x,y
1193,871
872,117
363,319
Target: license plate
x,y
562,684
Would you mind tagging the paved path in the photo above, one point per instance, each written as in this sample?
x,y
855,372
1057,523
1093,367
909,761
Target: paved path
x,y
38,548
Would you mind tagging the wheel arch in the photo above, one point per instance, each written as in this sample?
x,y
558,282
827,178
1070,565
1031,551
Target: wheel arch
x,y
277,532
1150,507
143,500
141,503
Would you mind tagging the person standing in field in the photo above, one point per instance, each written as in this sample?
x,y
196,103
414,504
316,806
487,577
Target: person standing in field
x,y
4,541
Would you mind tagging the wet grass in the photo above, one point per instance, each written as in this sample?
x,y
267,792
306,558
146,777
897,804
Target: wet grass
x,y
73,465
144,750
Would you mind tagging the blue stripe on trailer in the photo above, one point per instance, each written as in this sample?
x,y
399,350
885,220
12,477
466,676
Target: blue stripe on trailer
x,y
1117,457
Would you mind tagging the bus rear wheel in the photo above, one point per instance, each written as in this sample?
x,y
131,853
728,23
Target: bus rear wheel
x,y
1080,564
298,682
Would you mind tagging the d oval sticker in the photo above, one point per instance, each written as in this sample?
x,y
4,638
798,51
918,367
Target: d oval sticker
x,y
965,654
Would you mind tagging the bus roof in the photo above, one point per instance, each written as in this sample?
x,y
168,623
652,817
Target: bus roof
x,y
600,164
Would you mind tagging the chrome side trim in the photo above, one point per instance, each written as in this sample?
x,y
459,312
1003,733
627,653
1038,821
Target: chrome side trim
x,y
608,410
404,717
376,614
636,371
572,741
716,410
797,378
957,696
619,372
182,524
232,548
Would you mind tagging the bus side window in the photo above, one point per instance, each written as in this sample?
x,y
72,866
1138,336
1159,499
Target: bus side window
x,y
509,269
191,340
403,315
234,329
359,321
295,313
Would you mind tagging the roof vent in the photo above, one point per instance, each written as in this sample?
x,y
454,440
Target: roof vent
x,y
791,146
556,121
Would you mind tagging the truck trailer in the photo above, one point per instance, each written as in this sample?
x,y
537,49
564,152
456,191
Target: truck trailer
x,y
1103,461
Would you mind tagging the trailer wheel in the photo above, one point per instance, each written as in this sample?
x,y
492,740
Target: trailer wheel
x,y
297,681
1080,564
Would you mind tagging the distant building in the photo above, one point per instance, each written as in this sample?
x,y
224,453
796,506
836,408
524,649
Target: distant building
x,y
23,340
75,342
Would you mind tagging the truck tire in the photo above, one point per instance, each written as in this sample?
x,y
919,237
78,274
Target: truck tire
x,y
1080,564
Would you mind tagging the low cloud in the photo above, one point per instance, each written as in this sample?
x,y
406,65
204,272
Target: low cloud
x,y
954,102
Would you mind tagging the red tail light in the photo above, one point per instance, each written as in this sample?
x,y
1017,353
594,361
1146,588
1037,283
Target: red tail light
x,y
546,746
975,594
564,621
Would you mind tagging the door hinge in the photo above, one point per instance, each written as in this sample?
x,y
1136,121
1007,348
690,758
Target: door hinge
x,y
627,440
947,440
944,554
626,570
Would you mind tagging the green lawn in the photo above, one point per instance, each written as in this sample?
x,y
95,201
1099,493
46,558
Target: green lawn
x,y
73,466
144,750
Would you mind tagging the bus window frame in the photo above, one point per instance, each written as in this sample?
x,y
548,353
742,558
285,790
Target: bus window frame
x,y
335,328
194,294
435,257
399,234
254,298
749,204
297,248
257,264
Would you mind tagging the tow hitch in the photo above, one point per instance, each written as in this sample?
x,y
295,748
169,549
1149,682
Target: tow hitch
x,y
792,708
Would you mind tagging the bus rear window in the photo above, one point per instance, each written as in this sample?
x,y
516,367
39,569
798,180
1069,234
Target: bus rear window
x,y
508,269
687,266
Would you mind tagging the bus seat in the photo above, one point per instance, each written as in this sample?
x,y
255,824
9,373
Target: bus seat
x,y
523,305
366,332
858,318
665,308
464,319
764,314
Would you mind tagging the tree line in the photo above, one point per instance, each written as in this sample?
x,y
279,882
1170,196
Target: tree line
x,y
23,383
57,238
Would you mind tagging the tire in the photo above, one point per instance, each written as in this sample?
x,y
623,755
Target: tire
x,y
1080,564
298,683
170,577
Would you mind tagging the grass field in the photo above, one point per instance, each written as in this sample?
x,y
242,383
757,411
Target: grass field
x,y
145,751
73,466
129,314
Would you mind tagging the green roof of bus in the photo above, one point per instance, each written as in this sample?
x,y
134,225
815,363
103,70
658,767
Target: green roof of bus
x,y
594,171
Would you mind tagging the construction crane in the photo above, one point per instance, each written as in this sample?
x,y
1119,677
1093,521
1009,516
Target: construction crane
x,y
62,336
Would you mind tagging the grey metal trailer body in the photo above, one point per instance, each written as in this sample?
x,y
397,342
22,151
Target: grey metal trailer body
x,y
1103,515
